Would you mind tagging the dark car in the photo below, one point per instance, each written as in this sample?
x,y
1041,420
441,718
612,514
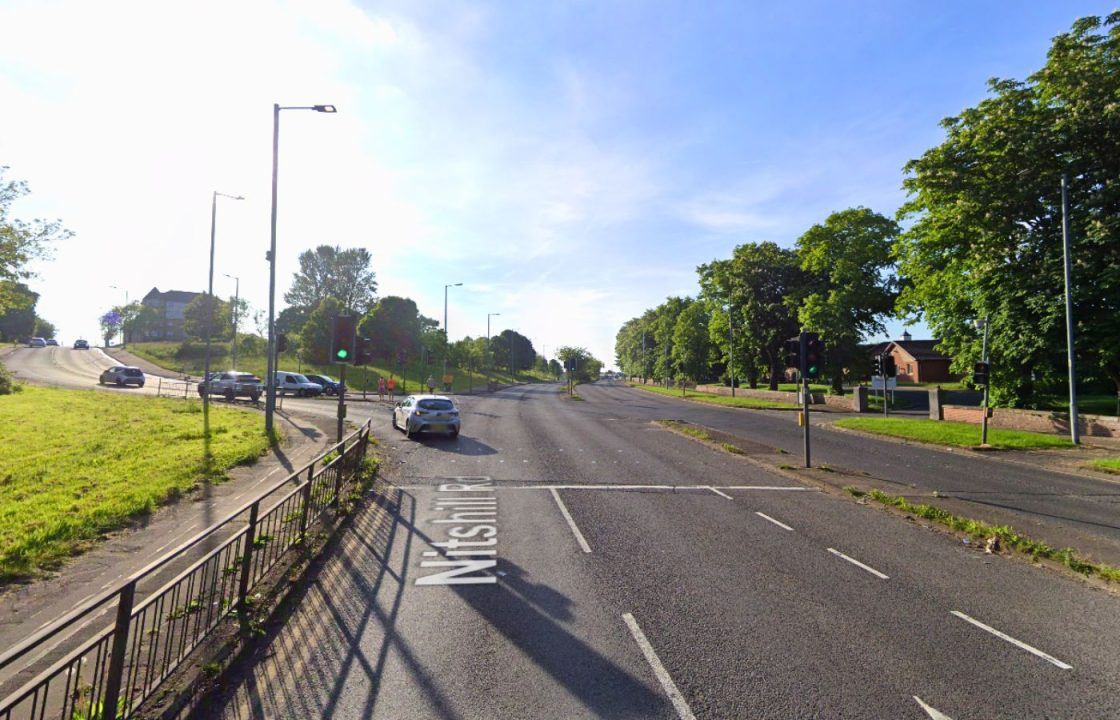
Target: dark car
x,y
122,375
81,345
330,386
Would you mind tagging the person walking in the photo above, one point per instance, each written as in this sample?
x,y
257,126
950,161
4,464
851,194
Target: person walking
x,y
431,384
381,388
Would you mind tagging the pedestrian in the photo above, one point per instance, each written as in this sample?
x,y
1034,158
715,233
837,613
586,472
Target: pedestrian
x,y
380,388
431,384
391,386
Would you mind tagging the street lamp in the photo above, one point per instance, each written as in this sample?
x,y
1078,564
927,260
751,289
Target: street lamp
x,y
125,308
446,335
234,319
210,306
270,386
731,346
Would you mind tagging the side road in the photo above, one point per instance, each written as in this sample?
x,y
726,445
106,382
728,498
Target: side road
x,y
29,607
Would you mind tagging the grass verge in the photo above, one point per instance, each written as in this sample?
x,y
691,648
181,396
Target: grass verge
x,y
979,530
739,401
686,429
78,463
1109,465
953,433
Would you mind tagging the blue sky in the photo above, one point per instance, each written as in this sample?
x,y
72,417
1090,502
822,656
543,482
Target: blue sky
x,y
570,163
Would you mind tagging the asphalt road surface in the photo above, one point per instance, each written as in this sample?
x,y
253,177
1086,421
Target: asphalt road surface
x,y
566,559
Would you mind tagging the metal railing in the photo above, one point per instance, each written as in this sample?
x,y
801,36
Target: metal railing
x,y
167,387
106,672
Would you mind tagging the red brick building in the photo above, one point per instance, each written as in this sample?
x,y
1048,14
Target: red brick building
x,y
918,361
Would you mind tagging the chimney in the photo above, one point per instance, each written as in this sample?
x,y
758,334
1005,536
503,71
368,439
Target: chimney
x,y
906,336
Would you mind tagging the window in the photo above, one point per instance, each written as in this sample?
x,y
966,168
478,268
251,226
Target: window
x,y
436,404
909,369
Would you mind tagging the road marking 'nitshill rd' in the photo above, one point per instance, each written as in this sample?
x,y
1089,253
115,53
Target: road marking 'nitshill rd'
x,y
571,523
858,564
659,670
782,525
932,712
1017,643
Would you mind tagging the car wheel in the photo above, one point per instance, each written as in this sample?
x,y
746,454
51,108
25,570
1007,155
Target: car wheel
x,y
140,385
454,434
201,391
101,380
229,396
120,383
395,426
255,397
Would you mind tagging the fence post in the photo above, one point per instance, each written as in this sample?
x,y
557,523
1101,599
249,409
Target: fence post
x,y
120,648
247,560
159,387
306,502
339,472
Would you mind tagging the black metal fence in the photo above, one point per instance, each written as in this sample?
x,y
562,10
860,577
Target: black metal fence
x,y
105,671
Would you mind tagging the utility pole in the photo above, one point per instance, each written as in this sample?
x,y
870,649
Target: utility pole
x,y
984,358
211,307
236,310
1074,431
731,348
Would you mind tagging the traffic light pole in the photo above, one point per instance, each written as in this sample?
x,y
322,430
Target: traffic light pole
x,y
886,410
984,419
341,400
805,411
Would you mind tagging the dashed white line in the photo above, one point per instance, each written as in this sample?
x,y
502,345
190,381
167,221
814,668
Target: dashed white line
x,y
1017,643
571,523
721,494
934,713
782,525
663,677
857,563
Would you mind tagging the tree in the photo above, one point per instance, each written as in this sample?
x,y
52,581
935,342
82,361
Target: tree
x,y
394,326
18,321
587,367
692,347
290,320
513,351
315,337
985,207
110,323
330,271
21,242
44,329
206,314
852,286
555,368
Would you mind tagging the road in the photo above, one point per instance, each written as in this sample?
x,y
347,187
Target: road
x,y
623,571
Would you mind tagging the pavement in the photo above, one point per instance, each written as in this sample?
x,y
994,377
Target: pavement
x,y
566,559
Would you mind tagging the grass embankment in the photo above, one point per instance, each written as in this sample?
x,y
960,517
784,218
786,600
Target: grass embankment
x,y
740,401
171,355
953,433
1109,465
980,530
76,464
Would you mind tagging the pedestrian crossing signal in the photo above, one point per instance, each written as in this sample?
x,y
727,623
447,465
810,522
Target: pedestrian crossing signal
x,y
344,339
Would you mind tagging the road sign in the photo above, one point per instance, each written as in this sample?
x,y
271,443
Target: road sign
x,y
877,383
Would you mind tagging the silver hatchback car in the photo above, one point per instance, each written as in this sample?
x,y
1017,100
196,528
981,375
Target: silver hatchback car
x,y
122,375
426,413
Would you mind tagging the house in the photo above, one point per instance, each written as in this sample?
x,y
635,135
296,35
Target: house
x,y
168,307
918,361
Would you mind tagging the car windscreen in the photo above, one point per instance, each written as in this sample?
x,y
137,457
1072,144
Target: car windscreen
x,y
300,378
247,378
436,404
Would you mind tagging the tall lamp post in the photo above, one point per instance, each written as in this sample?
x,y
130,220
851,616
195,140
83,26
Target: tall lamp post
x,y
210,309
270,387
446,335
235,320
1074,430
122,316
731,347
980,325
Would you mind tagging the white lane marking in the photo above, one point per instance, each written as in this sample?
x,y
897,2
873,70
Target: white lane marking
x,y
932,712
659,670
857,563
571,523
1017,643
782,525
721,494
705,488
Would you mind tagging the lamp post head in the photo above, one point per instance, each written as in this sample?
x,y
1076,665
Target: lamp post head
x,y
980,324
324,108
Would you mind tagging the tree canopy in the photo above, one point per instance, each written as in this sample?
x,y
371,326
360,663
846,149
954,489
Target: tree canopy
x,y
21,241
331,271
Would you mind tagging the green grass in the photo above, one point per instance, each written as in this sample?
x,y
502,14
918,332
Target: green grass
x,y
1110,465
77,464
793,387
739,401
690,430
1086,403
980,530
953,433
168,355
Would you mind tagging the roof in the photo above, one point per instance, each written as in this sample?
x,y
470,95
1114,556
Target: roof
x,y
172,295
922,349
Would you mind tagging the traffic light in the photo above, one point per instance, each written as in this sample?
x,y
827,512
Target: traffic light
x,y
890,368
980,373
364,351
877,366
281,343
793,353
812,355
344,337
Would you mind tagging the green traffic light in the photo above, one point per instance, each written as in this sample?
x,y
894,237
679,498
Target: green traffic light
x,y
342,354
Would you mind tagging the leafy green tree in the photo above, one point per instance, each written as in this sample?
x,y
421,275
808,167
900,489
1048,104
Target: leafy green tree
x,y
44,329
852,288
636,346
18,321
330,271
513,351
554,368
692,348
21,241
290,320
395,326
985,239
205,313
315,337
587,367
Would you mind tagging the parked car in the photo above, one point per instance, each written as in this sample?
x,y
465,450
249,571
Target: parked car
x,y
122,375
330,385
81,345
52,341
36,342
291,383
231,385
426,413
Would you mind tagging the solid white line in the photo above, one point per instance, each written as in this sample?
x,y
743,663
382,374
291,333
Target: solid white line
x,y
545,486
1018,643
721,494
934,713
659,670
571,523
857,563
764,516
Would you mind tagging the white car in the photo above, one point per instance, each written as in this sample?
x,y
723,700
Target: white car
x,y
291,383
232,384
122,375
36,342
426,413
